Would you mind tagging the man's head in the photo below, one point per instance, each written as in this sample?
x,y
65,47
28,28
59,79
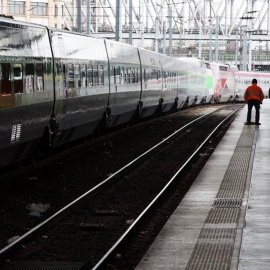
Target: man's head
x,y
254,81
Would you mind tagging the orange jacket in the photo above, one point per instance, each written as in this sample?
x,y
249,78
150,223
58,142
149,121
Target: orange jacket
x,y
254,92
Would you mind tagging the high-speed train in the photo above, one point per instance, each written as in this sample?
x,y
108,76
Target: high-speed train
x,y
57,86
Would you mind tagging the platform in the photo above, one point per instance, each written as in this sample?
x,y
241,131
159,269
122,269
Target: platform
x,y
224,220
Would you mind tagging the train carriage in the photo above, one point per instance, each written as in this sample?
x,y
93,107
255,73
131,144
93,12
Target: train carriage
x,y
199,81
197,72
81,84
26,88
173,71
227,83
208,84
151,79
224,81
125,82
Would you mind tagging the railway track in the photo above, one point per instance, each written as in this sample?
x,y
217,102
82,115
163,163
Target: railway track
x,y
115,209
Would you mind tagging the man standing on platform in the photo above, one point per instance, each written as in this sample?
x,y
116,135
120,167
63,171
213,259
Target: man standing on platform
x,y
254,97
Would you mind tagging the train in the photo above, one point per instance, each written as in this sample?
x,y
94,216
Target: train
x,y
58,86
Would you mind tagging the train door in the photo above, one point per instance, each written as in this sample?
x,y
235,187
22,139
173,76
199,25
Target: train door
x,y
65,76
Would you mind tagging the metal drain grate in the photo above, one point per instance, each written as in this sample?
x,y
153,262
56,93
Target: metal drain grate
x,y
212,256
223,216
227,203
217,234
233,184
215,244
247,137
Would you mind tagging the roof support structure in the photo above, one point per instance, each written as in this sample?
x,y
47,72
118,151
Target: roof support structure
x,y
209,23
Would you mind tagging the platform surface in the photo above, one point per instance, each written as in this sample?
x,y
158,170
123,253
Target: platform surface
x,y
224,220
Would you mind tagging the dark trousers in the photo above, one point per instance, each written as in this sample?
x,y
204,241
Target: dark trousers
x,y
256,104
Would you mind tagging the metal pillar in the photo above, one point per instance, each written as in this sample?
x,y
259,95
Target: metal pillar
x,y
88,19
268,19
96,16
217,32
249,52
210,39
156,36
210,45
164,37
200,45
170,29
244,52
141,15
74,13
118,30
130,23
231,20
236,48
79,15
226,17
250,35
157,30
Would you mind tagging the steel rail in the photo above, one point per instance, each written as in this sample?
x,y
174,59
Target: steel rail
x,y
136,223
98,187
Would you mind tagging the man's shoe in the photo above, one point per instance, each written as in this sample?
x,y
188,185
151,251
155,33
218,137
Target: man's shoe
x,y
248,123
257,124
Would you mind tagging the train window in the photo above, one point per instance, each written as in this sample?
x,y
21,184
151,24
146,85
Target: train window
x,y
118,75
126,75
114,75
64,76
129,75
144,75
101,74
29,77
77,79
122,76
83,76
70,76
153,73
18,78
223,68
39,77
165,76
96,76
5,79
90,75
49,67
136,75
133,75
58,67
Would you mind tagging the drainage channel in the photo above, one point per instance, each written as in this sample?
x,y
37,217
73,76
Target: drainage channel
x,y
217,241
